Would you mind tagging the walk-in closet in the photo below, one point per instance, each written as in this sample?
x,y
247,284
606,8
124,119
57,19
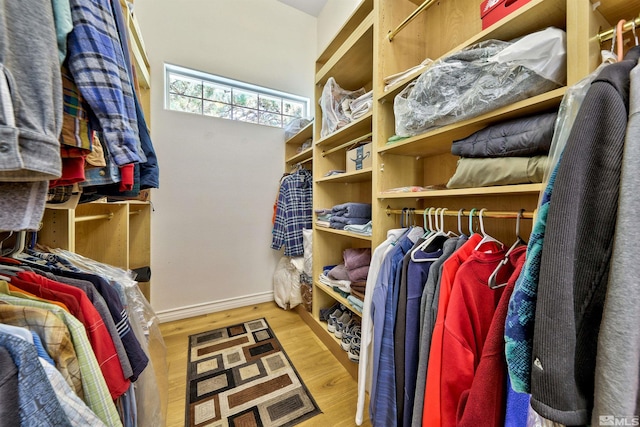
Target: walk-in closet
x,y
388,213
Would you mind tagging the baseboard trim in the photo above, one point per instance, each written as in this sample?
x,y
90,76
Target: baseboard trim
x,y
213,306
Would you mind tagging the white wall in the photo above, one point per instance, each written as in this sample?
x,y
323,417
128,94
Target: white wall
x,y
331,19
211,225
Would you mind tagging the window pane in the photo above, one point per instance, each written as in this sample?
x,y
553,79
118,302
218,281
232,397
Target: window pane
x,y
216,92
185,86
244,98
271,119
293,108
287,119
184,103
270,103
245,115
216,109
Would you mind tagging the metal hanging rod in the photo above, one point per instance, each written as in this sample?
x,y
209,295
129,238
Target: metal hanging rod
x,y
346,144
93,217
410,18
454,212
608,34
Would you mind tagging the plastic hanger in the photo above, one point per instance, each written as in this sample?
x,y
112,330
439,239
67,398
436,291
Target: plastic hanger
x,y
620,31
438,232
519,241
471,213
633,29
485,237
460,222
428,229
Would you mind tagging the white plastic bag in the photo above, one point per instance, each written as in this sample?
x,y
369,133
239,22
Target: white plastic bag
x,y
335,103
286,282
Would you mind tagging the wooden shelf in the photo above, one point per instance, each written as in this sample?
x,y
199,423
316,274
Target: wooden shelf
x,y
534,16
342,233
363,175
439,141
336,296
301,157
352,64
300,137
329,340
351,131
463,192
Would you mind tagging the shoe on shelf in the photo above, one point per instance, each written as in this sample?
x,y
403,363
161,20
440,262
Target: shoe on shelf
x,y
352,331
333,319
342,324
354,350
326,312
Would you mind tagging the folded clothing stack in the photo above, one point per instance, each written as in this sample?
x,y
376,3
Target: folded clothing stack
x,y
350,213
511,152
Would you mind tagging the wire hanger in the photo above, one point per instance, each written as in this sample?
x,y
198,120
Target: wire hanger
x,y
519,241
485,237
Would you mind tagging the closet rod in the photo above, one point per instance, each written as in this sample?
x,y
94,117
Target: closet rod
x,y
607,35
454,212
347,144
410,18
93,217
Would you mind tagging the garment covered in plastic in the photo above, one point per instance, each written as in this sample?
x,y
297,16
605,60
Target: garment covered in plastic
x,y
295,126
481,78
152,386
286,282
335,103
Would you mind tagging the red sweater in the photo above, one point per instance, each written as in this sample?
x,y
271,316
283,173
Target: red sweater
x,y
485,399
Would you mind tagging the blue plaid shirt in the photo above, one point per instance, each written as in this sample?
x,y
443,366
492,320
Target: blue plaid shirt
x,y
97,64
293,212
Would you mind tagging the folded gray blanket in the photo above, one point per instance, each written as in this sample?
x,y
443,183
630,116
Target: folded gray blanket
x,y
349,220
353,210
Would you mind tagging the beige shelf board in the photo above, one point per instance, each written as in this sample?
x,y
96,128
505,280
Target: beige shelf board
x,y
352,64
499,189
439,141
346,31
342,233
351,131
300,137
302,156
533,16
336,296
363,175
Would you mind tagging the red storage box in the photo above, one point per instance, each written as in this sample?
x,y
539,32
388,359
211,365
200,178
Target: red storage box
x,y
491,11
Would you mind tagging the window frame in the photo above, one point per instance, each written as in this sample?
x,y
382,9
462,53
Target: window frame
x,y
233,85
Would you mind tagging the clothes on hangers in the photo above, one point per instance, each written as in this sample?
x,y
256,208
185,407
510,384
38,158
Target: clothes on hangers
x,y
293,212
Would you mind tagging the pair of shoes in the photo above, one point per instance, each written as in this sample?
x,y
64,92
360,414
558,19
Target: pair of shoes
x,y
326,312
343,323
334,316
352,331
354,350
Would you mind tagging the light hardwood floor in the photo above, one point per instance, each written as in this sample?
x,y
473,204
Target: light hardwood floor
x,y
333,389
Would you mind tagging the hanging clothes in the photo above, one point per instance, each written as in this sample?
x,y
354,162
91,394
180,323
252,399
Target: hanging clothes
x,y
577,251
293,212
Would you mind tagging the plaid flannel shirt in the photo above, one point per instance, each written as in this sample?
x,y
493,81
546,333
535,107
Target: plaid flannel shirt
x,y
96,62
293,213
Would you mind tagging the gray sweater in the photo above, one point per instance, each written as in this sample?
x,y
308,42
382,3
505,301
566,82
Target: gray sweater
x,y
618,358
577,249
30,110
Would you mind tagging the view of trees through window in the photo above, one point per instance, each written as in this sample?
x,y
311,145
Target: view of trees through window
x,y
209,95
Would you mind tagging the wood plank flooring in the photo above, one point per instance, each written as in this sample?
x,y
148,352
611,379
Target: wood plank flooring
x,y
334,390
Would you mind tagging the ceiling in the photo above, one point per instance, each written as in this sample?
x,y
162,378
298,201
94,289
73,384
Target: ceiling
x,y
311,7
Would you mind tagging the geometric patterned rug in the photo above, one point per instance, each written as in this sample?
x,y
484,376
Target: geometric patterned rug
x,y
241,376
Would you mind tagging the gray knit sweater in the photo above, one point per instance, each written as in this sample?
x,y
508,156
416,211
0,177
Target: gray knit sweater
x,y
577,250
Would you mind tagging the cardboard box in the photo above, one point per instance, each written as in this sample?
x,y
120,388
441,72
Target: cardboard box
x,y
359,158
491,11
